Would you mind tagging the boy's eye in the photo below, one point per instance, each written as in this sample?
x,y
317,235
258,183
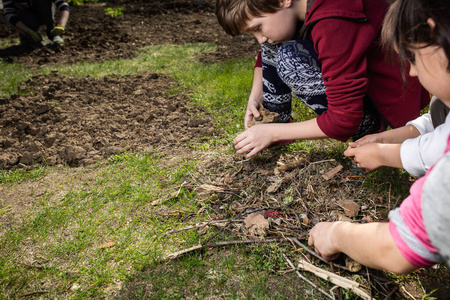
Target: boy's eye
x,y
256,29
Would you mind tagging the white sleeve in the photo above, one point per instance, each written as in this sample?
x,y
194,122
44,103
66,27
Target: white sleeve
x,y
422,123
420,153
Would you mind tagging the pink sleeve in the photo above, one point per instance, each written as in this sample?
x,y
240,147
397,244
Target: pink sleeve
x,y
408,230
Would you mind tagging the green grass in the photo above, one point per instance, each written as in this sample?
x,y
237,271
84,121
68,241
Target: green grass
x,y
54,248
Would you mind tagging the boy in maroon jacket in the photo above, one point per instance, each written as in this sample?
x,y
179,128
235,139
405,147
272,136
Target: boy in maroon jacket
x,y
328,53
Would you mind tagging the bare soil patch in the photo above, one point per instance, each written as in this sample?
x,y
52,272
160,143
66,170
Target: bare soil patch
x,y
77,121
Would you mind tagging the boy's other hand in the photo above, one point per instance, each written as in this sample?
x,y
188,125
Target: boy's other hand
x,y
320,238
252,111
35,36
254,139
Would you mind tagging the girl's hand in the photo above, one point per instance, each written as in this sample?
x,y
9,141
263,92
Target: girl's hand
x,y
371,138
366,156
320,237
254,139
253,107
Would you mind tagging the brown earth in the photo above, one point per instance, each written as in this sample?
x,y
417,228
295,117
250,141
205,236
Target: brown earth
x,y
77,121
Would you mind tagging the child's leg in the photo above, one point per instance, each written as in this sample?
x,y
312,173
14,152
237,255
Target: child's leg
x,y
45,11
299,67
277,95
30,19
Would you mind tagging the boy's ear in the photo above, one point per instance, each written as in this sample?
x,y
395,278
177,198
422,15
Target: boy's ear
x,y
431,23
285,3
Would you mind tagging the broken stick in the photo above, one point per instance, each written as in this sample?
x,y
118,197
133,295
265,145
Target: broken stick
x,y
334,278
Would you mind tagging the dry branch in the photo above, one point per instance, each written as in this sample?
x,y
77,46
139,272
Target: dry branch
x,y
225,243
306,279
334,278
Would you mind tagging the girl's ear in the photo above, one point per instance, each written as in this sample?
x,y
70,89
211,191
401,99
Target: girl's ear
x,y
431,23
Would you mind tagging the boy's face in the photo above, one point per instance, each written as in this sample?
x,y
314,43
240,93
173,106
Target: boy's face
x,y
274,28
430,66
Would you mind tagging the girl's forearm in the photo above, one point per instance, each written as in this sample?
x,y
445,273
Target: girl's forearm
x,y
371,245
399,135
389,155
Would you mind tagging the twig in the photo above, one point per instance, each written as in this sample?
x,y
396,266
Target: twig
x,y
181,252
335,279
32,293
318,256
254,241
224,243
408,293
391,293
306,279
201,225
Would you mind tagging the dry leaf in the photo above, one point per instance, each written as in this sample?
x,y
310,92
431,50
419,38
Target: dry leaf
x,y
330,174
210,188
107,245
290,166
273,188
256,224
352,265
351,208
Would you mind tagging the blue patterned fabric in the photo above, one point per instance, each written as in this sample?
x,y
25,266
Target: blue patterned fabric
x,y
294,67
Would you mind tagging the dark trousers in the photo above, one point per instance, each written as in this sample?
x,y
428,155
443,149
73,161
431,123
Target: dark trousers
x,y
40,13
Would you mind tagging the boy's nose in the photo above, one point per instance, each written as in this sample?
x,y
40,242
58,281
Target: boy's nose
x,y
261,38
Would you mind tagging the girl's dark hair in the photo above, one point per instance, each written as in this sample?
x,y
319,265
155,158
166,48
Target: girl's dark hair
x,y
406,27
233,14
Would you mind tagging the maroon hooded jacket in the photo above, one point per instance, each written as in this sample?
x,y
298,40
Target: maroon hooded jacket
x,y
346,36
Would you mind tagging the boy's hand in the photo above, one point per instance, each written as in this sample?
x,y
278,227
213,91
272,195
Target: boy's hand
x,y
254,139
35,36
58,30
366,156
320,237
252,111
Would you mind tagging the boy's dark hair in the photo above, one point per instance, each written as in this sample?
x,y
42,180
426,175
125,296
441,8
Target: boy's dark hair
x,y
233,14
405,27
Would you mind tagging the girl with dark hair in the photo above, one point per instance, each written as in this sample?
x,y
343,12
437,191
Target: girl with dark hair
x,y
417,233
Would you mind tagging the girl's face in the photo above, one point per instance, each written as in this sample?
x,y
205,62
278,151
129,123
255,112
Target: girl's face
x,y
274,28
430,66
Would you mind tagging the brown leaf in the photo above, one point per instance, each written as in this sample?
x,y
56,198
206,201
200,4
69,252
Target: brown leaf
x,y
352,265
330,174
351,208
290,166
256,224
274,187
107,245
